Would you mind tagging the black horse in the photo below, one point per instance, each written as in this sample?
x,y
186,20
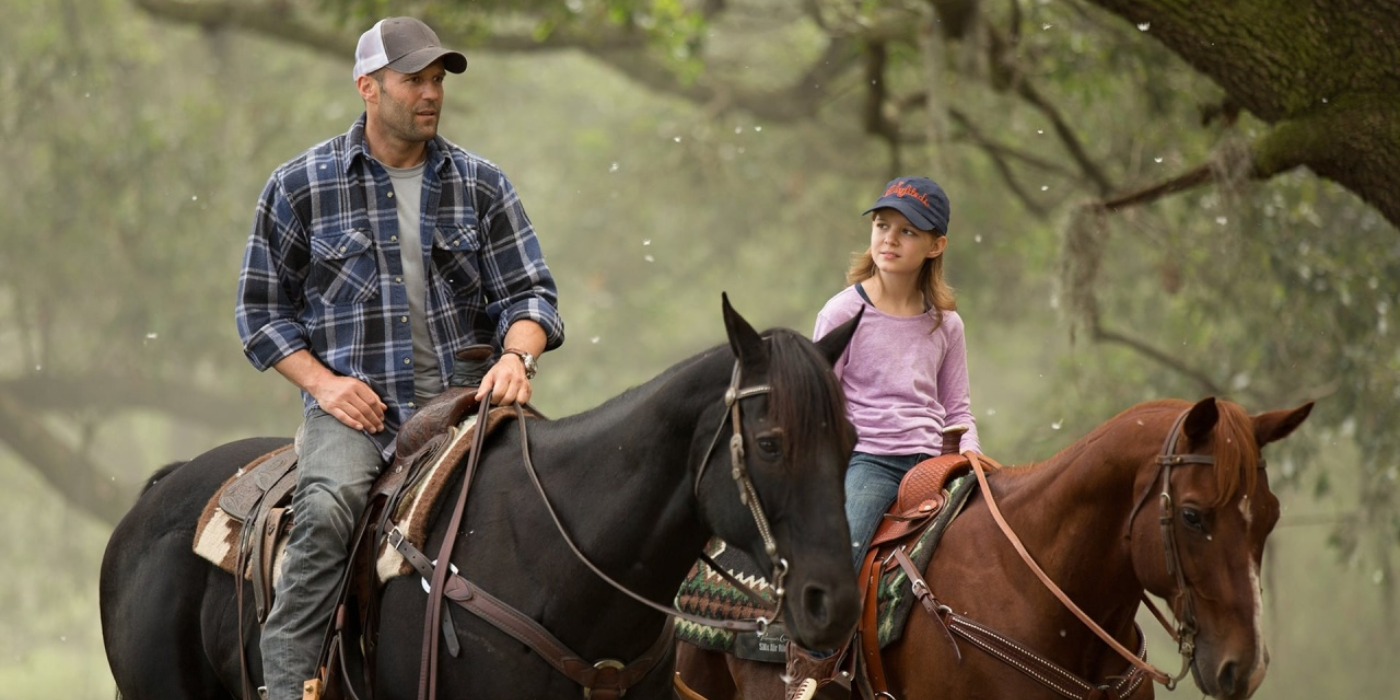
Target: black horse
x,y
638,484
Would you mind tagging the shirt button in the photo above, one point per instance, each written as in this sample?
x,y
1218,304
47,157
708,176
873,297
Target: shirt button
x,y
342,249
393,238
398,279
407,361
391,195
403,319
412,405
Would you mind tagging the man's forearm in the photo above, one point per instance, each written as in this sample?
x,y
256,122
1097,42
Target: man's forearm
x,y
525,335
304,370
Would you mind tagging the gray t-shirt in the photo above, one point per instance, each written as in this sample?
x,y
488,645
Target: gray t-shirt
x,y
408,192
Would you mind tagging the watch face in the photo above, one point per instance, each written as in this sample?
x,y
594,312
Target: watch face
x,y
527,360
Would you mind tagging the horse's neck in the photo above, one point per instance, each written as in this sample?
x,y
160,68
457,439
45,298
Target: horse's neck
x,y
626,466
1072,513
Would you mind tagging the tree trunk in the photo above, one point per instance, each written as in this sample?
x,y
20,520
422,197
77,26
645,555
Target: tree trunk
x,y
1324,73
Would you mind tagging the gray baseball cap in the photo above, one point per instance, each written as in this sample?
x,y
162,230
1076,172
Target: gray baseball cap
x,y
405,45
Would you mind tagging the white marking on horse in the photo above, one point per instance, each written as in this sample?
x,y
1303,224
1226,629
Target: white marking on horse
x,y
1260,663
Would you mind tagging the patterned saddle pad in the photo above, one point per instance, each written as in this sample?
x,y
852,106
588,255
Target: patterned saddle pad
x,y
706,594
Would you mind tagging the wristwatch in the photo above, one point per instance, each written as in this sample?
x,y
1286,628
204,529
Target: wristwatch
x,y
526,359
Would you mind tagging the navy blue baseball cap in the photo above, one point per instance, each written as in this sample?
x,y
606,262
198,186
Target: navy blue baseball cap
x,y
919,199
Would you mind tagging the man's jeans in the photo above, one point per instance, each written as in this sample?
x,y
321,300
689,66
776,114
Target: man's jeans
x,y
335,470
872,484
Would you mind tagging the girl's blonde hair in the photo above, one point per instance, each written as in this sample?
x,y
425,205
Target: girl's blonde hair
x,y
937,293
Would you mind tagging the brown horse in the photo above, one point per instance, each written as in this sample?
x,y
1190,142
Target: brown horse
x,y
1106,518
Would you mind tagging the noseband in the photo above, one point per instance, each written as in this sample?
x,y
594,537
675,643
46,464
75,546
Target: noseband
x,y
739,471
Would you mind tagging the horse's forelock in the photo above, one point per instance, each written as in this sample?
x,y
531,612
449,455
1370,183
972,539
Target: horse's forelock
x,y
806,397
1236,460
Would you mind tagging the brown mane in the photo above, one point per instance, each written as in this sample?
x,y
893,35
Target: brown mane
x,y
1232,444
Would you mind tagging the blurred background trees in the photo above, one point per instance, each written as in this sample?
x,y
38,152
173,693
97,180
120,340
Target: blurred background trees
x,y
1149,199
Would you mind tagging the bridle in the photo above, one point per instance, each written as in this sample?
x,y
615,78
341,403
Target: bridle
x,y
748,495
1184,632
611,675
1185,629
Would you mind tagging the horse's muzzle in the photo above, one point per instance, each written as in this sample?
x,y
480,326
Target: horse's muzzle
x,y
823,616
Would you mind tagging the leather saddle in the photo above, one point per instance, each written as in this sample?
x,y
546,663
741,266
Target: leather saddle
x,y
241,526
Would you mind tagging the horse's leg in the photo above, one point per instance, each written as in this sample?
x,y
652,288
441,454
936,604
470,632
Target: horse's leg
x,y
706,673
154,588
151,621
756,680
716,676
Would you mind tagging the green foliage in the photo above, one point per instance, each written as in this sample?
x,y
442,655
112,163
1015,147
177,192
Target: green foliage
x,y
138,149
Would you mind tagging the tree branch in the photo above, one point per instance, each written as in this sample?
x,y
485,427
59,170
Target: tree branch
x,y
268,19
68,471
624,49
108,394
999,155
1198,175
1004,62
1208,385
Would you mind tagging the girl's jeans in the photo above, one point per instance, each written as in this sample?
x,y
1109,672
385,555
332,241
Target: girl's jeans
x,y
872,484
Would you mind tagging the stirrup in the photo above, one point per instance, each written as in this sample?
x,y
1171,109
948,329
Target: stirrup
x,y
829,689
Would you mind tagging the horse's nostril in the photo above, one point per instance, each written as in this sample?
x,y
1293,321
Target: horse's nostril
x,y
814,603
1227,679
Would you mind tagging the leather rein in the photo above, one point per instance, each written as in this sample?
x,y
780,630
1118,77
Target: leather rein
x,y
1047,672
605,679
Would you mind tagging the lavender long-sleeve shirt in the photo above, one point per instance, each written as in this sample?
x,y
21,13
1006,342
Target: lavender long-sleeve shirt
x,y
903,384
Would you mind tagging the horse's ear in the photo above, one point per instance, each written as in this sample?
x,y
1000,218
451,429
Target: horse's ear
x,y
1200,420
834,343
1277,425
743,339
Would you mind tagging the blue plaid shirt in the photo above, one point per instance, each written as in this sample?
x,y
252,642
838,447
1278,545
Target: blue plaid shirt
x,y
322,270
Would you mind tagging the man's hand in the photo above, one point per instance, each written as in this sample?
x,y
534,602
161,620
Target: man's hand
x,y
506,381
351,401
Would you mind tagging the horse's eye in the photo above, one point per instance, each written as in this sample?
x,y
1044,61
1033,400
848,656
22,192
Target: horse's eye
x,y
770,446
1193,519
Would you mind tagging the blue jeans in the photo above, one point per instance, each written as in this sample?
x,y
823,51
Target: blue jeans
x,y
872,484
335,470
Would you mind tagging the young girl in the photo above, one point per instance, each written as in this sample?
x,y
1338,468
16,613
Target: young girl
x,y
905,372
904,375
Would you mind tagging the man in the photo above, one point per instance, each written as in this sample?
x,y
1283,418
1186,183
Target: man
x,y
374,258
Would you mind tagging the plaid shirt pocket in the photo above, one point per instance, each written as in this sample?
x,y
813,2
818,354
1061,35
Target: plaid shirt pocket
x,y
344,266
456,251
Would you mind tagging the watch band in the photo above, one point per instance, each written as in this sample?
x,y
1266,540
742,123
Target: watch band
x,y
525,359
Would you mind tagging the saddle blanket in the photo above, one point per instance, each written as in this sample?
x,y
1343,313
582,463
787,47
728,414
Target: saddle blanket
x,y
219,534
706,594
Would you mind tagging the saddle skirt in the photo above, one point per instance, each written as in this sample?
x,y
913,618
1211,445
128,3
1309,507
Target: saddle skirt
x,y
249,517
931,495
